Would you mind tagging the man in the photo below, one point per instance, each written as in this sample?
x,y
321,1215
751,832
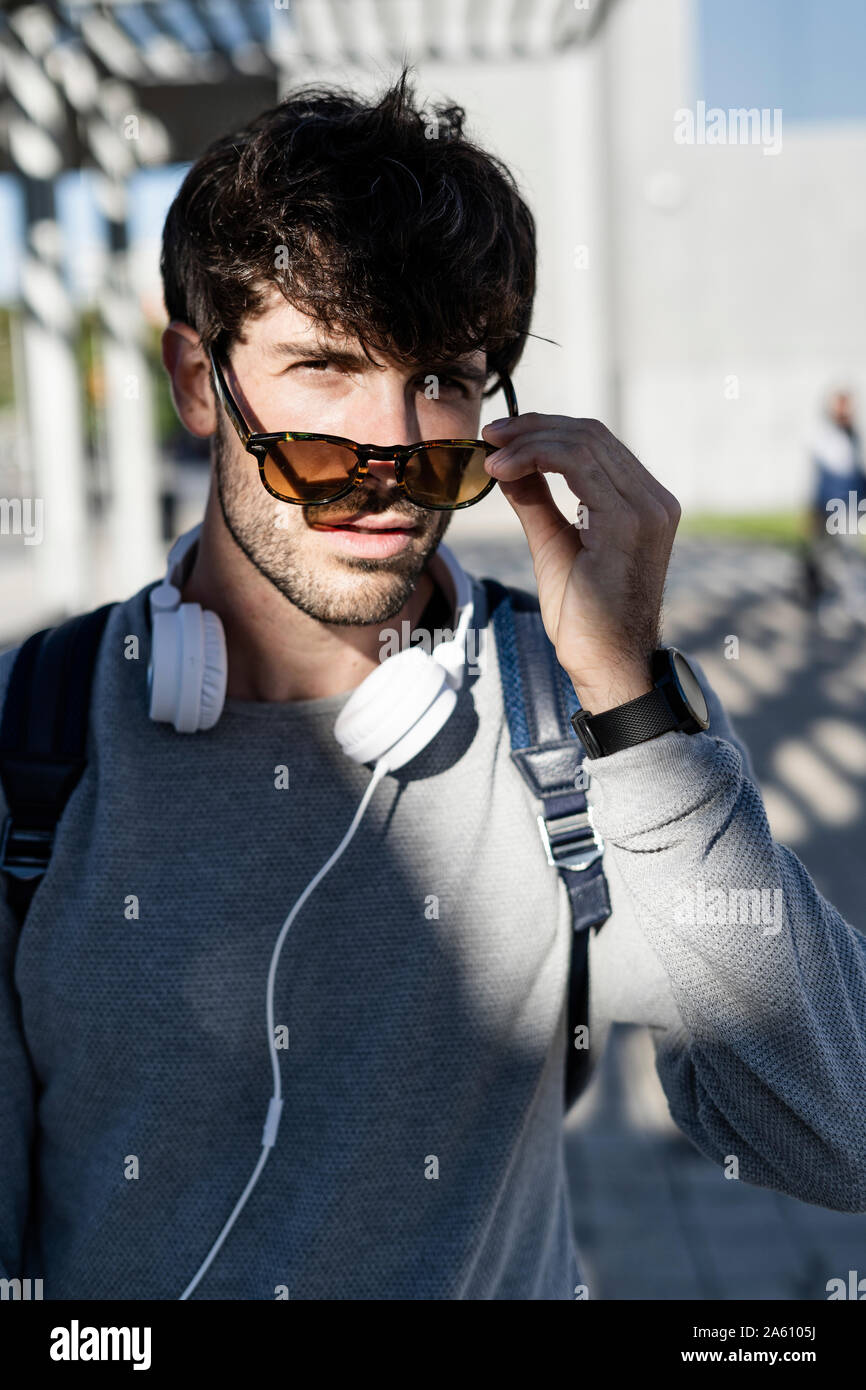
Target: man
x,y
837,457
839,483
334,270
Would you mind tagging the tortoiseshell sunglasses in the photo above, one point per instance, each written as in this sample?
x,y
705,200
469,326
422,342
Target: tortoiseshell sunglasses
x,y
314,469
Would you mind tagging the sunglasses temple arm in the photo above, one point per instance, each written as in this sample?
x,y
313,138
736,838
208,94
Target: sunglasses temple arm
x,y
227,400
510,396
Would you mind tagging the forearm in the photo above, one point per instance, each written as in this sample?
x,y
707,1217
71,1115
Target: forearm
x,y
769,981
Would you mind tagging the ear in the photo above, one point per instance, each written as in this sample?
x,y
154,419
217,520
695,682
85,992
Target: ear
x,y
188,368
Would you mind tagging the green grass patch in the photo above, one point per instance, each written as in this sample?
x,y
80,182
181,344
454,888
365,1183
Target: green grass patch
x,y
772,528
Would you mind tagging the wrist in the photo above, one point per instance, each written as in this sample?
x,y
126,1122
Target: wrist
x,y
674,701
613,689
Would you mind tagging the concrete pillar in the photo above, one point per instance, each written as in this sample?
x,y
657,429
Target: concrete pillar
x,y
54,415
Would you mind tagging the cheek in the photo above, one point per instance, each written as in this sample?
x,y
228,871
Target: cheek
x,y
447,419
238,475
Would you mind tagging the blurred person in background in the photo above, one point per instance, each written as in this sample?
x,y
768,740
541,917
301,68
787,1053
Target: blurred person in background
x,y
839,486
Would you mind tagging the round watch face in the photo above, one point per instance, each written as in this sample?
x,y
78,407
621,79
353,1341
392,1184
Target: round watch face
x,y
690,689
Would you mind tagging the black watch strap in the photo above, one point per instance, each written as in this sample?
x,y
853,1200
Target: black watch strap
x,y
636,721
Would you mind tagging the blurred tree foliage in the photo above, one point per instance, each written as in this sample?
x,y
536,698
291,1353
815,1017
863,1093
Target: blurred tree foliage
x,y
7,383
168,426
89,357
90,375
90,369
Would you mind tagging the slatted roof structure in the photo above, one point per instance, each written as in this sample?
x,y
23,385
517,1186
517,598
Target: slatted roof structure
x,y
173,56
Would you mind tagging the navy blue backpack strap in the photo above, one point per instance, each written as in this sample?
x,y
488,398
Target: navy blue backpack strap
x,y
539,700
43,737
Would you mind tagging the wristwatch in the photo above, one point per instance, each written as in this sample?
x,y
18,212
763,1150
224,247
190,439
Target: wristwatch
x,y
675,702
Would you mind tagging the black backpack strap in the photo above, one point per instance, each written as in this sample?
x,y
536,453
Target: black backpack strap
x,y
539,701
43,738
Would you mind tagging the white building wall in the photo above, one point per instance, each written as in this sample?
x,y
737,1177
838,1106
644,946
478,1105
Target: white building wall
x,y
730,264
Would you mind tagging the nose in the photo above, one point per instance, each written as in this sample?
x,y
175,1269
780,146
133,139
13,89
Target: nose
x,y
380,479
388,413
389,418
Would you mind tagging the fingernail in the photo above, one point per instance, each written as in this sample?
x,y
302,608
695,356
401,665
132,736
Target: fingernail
x,y
497,424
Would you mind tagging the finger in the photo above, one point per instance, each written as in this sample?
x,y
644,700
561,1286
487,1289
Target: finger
x,y
585,474
626,462
517,425
542,521
633,483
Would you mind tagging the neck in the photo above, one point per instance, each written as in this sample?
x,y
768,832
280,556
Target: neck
x,y
276,652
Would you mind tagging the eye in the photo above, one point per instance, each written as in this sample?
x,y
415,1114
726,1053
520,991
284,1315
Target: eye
x,y
443,382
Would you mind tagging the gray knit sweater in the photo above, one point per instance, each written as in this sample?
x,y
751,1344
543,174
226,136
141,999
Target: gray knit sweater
x,y
422,997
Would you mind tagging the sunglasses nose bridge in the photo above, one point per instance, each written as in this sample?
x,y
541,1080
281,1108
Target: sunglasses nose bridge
x,y
379,453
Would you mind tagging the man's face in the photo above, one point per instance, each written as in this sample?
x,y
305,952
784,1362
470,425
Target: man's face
x,y
842,409
288,375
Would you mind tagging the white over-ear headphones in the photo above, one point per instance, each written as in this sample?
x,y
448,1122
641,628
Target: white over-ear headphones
x,y
391,716
394,713
188,665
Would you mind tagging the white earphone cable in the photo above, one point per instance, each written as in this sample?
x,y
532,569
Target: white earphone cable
x,y
272,1119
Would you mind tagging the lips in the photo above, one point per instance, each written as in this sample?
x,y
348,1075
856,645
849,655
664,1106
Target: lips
x,y
368,524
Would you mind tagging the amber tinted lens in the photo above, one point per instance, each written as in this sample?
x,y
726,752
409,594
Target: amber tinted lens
x,y
447,475
307,470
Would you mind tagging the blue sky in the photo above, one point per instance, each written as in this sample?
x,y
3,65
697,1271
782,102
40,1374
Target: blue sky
x,y
805,56
150,193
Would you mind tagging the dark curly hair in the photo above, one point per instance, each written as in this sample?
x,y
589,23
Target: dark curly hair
x,y
381,221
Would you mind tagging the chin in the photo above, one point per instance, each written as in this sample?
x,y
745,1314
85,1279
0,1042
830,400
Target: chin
x,y
357,601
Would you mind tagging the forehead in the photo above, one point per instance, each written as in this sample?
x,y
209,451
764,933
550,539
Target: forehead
x,y
281,322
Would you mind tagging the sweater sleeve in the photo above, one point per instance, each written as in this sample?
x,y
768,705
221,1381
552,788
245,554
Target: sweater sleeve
x,y
762,1054
17,1100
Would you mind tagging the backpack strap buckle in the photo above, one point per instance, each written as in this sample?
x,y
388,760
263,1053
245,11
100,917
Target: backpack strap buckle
x,y
569,840
24,851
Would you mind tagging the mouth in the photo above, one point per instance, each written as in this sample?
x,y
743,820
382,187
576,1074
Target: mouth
x,y
372,536
368,523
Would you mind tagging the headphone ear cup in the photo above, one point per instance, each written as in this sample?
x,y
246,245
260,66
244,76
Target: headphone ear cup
x,y
215,671
164,665
188,668
423,731
397,710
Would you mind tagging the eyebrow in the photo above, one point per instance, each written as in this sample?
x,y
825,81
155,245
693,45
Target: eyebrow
x,y
348,357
